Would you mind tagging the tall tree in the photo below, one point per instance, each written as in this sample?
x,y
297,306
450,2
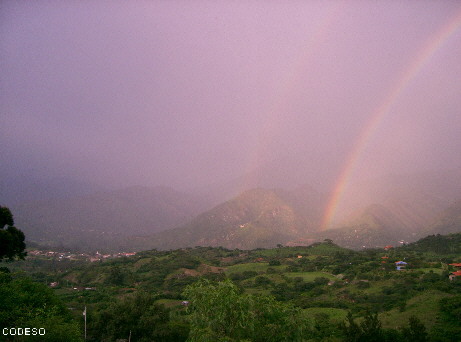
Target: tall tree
x,y
12,243
140,315
369,329
219,312
416,331
25,303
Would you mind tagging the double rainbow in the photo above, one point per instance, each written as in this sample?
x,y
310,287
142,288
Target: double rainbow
x,y
432,45
274,117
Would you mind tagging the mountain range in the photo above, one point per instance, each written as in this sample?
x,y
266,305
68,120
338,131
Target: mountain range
x,y
255,218
391,211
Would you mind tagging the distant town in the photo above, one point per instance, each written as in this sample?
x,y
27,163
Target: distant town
x,y
92,257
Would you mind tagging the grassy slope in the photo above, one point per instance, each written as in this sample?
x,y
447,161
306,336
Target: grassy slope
x,y
336,315
310,276
424,306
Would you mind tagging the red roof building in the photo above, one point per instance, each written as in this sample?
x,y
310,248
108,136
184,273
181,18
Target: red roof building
x,y
454,275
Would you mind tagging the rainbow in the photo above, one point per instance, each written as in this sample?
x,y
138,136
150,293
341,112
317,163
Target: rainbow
x,y
433,44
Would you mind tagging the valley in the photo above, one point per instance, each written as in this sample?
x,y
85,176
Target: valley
x,y
323,283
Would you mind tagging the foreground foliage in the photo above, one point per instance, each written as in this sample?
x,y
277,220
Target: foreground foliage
x,y
317,293
219,312
11,238
139,317
25,303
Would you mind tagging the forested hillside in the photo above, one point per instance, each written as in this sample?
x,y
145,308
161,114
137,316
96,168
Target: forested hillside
x,y
317,293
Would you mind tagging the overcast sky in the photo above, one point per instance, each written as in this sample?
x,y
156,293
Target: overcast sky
x,y
186,93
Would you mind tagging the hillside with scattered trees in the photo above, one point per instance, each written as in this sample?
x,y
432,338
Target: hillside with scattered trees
x,y
321,292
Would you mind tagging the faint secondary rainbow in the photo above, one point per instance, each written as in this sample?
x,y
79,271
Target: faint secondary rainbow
x,y
433,44
275,113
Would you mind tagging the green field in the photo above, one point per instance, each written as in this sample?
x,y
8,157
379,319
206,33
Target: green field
x,y
435,270
334,314
169,302
310,276
283,252
424,306
312,250
257,267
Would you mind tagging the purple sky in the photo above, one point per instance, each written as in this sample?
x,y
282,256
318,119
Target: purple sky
x,y
187,93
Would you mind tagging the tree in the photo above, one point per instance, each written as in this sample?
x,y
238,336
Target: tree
x,y
416,331
369,329
274,262
25,303
447,327
219,312
11,239
351,330
116,277
139,314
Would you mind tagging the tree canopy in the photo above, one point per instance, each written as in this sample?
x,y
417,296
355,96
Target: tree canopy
x,y
25,303
12,243
219,312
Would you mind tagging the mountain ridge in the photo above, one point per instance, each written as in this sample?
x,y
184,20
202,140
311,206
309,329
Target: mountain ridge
x,y
256,218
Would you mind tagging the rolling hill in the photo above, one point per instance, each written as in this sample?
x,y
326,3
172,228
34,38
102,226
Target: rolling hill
x,y
255,218
375,226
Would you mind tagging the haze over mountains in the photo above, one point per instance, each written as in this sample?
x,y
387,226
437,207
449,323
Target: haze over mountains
x,y
449,221
255,218
385,211
104,219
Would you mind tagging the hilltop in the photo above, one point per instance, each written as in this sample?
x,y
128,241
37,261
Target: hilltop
x,y
449,221
375,226
255,218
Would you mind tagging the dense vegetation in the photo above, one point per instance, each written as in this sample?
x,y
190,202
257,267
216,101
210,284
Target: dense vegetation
x,y
28,304
318,293
11,239
437,244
